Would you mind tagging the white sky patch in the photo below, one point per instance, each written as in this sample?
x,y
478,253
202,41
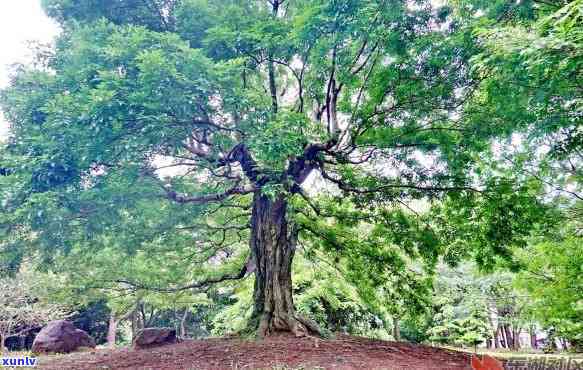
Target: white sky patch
x,y
21,21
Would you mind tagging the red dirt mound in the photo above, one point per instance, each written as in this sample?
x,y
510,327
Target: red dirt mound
x,y
284,351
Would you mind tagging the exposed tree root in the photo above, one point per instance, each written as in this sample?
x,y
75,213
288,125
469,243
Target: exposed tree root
x,y
296,324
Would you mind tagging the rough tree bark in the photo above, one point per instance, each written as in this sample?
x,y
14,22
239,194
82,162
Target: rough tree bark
x,y
273,243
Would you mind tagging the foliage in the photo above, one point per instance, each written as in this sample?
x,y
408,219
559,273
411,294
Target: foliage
x,y
142,140
24,304
93,318
459,309
535,61
321,293
552,277
469,307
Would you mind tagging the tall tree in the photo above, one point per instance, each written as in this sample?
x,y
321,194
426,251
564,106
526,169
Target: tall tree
x,y
197,124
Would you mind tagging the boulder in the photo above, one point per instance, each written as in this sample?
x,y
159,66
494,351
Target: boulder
x,y
61,336
150,337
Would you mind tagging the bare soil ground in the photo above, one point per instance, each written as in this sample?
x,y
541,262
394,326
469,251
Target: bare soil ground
x,y
279,352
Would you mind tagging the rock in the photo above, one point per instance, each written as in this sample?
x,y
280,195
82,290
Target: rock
x,y
61,336
150,337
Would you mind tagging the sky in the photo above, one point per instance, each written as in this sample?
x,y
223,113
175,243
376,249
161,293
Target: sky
x,y
20,21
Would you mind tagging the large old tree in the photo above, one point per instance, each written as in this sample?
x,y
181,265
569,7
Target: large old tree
x,y
170,131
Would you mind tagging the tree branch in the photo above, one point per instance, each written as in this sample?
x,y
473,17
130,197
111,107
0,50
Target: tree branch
x,y
236,190
240,154
198,285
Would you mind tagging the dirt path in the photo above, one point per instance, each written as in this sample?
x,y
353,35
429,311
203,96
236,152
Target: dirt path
x,y
285,351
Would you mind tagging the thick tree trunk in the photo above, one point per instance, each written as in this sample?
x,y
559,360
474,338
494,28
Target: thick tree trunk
x,y
273,243
2,342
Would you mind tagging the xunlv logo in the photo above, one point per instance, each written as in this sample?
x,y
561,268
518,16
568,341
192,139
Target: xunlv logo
x,y
19,361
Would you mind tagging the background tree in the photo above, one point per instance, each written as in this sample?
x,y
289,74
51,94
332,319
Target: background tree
x,y
102,278
322,293
532,56
92,316
552,276
24,305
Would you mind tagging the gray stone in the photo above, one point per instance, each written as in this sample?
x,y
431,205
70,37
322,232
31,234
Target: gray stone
x,y
150,337
61,336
